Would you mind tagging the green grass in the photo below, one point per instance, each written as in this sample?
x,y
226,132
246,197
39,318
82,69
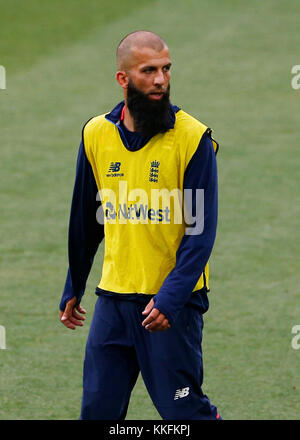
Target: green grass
x,y
231,69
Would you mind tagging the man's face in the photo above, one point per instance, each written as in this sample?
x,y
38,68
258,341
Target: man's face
x,y
146,83
150,71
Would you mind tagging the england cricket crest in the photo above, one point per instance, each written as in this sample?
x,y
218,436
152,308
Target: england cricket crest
x,y
154,169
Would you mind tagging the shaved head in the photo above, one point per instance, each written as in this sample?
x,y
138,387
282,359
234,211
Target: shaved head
x,y
136,41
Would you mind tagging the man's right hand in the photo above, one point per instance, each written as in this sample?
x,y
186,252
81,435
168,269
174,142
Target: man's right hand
x,y
70,316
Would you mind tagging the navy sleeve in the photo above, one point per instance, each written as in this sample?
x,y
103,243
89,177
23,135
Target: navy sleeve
x,y
194,250
85,233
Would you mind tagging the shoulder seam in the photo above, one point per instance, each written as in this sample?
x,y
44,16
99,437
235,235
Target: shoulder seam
x,y
82,136
216,146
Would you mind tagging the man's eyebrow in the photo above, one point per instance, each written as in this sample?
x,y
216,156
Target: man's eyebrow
x,y
151,67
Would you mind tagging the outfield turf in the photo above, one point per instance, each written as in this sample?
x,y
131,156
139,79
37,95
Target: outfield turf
x,y
232,69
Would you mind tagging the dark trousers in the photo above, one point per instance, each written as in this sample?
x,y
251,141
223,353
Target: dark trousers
x,y
119,347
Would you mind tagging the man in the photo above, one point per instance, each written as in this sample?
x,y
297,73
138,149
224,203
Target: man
x,y
153,289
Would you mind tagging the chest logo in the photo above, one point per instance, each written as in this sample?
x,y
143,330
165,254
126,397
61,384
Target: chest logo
x,y
154,169
113,170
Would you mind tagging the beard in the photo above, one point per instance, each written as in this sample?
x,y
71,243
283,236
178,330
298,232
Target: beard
x,y
150,117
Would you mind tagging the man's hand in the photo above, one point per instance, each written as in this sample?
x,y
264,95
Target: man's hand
x,y
70,318
155,321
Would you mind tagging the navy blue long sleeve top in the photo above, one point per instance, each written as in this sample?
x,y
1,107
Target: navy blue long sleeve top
x,y
85,233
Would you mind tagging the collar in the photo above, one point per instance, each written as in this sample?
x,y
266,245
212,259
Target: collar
x,y
117,114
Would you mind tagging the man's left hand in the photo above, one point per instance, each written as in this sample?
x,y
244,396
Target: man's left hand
x,y
155,321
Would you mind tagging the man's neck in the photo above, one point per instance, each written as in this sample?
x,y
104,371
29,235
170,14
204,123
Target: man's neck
x,y
128,120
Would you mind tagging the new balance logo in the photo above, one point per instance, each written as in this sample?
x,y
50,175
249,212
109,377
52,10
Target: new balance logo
x,y
182,392
113,170
114,167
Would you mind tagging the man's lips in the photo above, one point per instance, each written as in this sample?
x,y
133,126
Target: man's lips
x,y
156,95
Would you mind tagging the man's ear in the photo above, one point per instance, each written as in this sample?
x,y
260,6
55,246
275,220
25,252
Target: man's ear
x,y
122,78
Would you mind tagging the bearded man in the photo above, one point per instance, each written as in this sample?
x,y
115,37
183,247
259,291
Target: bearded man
x,y
146,180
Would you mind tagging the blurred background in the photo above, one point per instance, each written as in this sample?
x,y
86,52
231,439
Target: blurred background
x,y
232,63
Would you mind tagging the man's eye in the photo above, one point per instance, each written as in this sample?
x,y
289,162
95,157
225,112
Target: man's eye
x,y
147,69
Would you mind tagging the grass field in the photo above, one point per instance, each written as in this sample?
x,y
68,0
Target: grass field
x,y
232,69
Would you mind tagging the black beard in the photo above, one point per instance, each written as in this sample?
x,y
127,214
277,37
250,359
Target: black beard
x,y
150,117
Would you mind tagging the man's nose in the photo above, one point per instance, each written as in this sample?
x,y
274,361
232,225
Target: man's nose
x,y
159,79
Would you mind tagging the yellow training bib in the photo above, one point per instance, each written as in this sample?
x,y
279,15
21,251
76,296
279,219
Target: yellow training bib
x,y
141,194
